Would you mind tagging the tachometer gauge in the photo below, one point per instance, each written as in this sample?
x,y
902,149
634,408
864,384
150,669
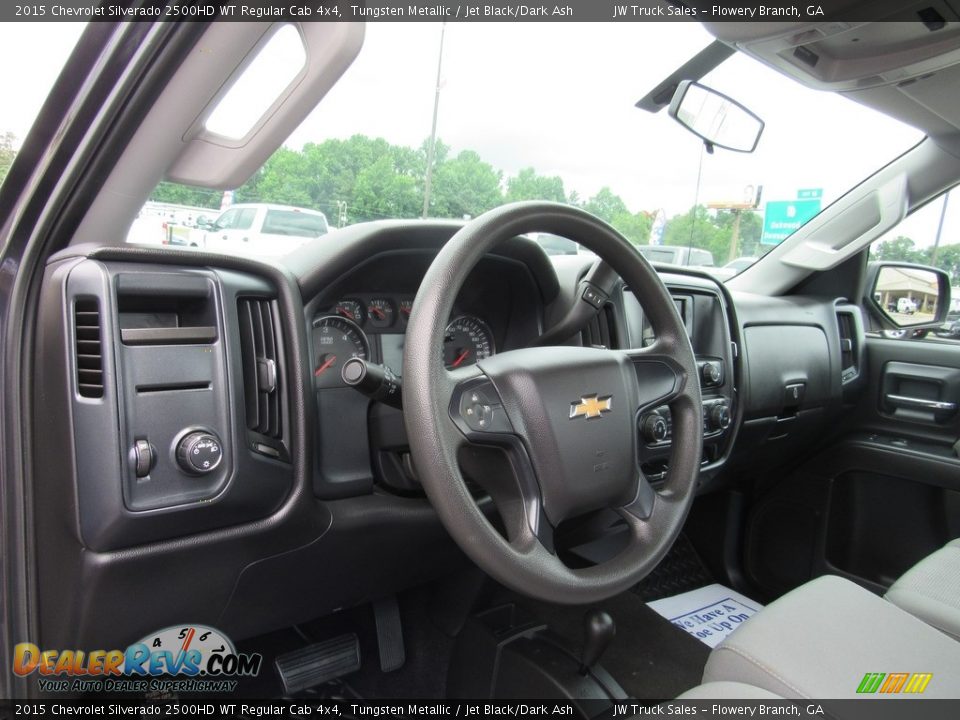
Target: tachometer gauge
x,y
466,340
351,310
406,306
381,313
335,340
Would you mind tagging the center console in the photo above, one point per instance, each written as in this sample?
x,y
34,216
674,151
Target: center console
x,y
704,316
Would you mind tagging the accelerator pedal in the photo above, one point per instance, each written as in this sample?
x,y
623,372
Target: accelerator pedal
x,y
319,663
386,615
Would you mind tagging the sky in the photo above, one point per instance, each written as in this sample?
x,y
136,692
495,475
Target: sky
x,y
560,97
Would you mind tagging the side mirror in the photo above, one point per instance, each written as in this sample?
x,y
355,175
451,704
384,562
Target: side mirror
x,y
715,118
204,222
907,295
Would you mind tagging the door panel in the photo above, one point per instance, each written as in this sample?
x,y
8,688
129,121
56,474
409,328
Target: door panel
x,y
885,493
895,478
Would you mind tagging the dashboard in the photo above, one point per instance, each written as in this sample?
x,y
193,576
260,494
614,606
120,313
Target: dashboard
x,y
373,327
362,444
212,441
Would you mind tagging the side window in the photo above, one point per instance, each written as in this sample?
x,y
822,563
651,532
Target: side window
x,y
701,257
245,219
227,220
930,236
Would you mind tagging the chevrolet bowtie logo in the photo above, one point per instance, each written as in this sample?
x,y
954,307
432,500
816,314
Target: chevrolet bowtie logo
x,y
590,406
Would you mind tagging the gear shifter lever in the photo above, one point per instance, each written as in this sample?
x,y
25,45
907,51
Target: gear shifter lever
x,y
598,630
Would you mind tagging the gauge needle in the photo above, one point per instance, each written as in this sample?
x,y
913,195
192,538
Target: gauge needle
x,y
378,312
348,315
330,361
460,358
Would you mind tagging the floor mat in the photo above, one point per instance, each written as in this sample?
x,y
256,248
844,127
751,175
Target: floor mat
x,y
681,570
708,613
650,658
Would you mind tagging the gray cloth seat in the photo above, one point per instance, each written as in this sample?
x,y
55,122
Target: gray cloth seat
x,y
727,691
930,590
820,640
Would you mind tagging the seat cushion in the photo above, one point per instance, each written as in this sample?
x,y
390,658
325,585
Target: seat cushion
x,y
727,691
930,590
822,639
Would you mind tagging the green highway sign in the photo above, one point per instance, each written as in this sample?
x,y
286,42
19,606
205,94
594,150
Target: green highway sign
x,y
782,218
810,194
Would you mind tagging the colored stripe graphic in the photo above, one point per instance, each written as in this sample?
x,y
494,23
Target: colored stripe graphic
x,y
870,682
893,683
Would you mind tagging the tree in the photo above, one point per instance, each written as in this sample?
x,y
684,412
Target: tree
x,y
697,228
464,186
382,192
176,194
635,227
7,153
948,260
606,205
748,239
527,185
283,179
901,248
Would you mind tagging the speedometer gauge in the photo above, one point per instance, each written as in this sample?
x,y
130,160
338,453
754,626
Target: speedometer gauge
x,y
467,340
335,340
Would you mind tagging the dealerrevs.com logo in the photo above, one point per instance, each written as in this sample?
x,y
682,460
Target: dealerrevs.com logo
x,y
186,658
893,683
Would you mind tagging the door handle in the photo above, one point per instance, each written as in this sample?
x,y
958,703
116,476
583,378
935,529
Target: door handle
x,y
923,403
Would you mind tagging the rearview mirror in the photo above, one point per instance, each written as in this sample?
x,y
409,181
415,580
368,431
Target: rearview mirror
x,y
715,118
909,296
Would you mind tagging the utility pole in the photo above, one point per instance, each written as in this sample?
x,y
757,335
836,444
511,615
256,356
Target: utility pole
x,y
737,208
433,130
936,242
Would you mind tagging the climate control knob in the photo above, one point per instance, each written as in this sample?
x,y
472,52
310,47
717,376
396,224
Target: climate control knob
x,y
710,373
653,428
199,453
719,417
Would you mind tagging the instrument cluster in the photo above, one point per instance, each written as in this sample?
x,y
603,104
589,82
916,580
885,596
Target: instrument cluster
x,y
374,328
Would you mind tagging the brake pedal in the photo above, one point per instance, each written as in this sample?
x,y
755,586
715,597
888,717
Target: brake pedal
x,y
318,663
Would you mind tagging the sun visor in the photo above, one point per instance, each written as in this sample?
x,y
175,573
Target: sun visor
x,y
288,70
860,218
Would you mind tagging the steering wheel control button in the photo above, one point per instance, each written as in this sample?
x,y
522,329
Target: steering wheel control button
x,y
199,453
144,457
653,428
594,297
480,410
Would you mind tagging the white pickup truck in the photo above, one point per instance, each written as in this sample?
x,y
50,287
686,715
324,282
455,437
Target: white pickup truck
x,y
261,229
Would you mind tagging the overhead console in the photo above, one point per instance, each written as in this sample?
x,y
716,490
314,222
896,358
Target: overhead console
x,y
842,52
177,417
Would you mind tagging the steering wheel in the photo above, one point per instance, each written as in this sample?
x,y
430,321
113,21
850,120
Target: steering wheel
x,y
564,417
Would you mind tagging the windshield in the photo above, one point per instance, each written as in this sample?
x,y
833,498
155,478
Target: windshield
x,y
43,47
547,111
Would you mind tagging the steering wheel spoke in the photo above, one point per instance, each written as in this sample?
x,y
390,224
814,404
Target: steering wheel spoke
x,y
641,506
659,378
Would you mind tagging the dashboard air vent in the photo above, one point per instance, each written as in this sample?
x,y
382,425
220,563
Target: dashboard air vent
x,y
850,333
89,351
262,365
600,331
